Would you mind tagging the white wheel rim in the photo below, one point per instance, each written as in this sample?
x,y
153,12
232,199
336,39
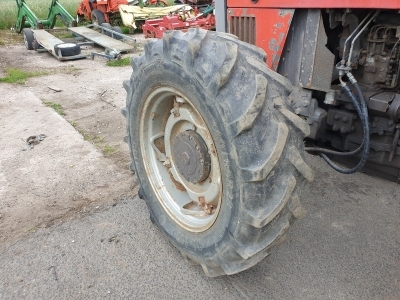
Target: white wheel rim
x,y
66,45
179,198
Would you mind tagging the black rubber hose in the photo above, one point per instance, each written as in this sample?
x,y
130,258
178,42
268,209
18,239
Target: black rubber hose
x,y
333,152
365,144
337,153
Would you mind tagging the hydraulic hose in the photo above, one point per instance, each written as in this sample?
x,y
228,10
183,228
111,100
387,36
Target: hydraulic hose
x,y
363,112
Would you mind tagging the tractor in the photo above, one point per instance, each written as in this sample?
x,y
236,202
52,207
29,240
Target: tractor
x,y
99,11
218,123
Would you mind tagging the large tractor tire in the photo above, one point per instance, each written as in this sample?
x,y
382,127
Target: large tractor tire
x,y
217,153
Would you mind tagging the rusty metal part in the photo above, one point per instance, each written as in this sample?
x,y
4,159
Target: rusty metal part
x,y
190,155
208,208
155,28
177,184
159,143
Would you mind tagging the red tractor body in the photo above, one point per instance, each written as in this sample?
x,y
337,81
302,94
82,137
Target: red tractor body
x,y
107,7
266,23
393,4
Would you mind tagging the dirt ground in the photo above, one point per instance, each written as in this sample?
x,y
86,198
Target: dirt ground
x,y
37,187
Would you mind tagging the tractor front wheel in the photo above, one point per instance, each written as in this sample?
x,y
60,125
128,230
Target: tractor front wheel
x,y
217,153
97,17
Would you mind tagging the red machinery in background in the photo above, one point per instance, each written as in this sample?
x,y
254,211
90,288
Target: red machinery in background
x,y
180,20
99,11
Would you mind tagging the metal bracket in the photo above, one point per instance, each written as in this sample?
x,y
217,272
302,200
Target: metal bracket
x,y
108,53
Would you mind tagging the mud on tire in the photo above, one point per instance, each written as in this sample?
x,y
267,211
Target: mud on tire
x,y
257,139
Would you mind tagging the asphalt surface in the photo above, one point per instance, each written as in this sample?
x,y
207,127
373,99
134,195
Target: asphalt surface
x,y
347,247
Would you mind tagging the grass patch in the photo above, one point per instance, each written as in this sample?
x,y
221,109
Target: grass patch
x,y
2,43
98,142
62,34
94,139
125,30
20,76
126,61
57,107
107,149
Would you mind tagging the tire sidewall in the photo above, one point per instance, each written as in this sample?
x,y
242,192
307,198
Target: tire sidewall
x,y
158,73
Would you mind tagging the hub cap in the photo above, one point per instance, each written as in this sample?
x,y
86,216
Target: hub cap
x,y
190,154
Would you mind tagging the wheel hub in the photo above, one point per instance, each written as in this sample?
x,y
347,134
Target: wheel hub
x,y
191,157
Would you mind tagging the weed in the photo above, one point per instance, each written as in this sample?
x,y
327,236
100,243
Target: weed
x,y
97,141
94,139
73,124
57,107
119,63
20,76
2,43
107,149
125,30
